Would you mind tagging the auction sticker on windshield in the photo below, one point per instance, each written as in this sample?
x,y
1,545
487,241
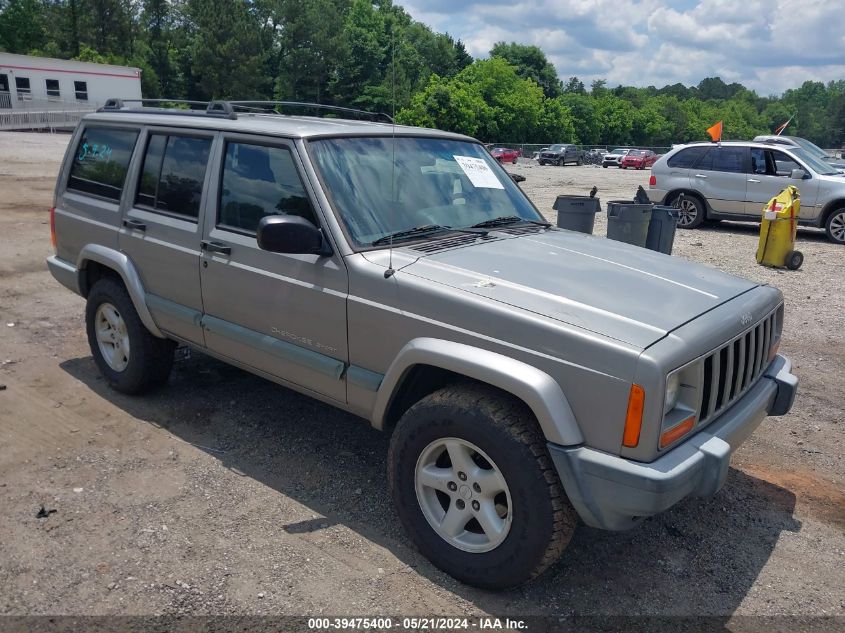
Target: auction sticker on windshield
x,y
479,172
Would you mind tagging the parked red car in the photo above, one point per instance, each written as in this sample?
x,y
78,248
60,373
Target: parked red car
x,y
639,159
505,154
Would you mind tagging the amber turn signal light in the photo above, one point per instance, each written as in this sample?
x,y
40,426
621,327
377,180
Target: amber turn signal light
x,y
634,417
677,431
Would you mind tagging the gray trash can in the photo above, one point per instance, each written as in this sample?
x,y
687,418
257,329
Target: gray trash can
x,y
577,213
628,222
661,229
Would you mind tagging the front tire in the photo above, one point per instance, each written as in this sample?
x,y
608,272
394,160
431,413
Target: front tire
x,y
475,488
691,212
834,226
130,358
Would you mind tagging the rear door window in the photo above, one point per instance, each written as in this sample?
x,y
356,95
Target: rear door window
x,y
101,161
173,173
259,181
727,159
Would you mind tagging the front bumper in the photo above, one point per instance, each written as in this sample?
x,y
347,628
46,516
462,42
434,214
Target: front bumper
x,y
614,493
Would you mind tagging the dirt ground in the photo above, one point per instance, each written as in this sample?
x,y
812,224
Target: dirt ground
x,y
226,494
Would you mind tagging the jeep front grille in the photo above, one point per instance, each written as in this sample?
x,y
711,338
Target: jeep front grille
x,y
735,367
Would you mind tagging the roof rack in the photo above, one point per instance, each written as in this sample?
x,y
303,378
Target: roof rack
x,y
272,107
230,109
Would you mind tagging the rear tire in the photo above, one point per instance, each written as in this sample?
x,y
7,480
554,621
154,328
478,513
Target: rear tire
x,y
691,212
834,226
475,488
130,358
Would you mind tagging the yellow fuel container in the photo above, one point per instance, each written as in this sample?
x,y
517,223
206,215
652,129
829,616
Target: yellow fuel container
x,y
778,228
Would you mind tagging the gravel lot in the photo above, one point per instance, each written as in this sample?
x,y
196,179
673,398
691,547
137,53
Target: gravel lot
x,y
224,493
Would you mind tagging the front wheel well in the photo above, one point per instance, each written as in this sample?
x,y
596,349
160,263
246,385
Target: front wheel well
x,y
421,381
829,209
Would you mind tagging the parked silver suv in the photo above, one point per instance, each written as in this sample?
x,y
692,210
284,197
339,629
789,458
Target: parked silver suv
x,y
527,375
734,180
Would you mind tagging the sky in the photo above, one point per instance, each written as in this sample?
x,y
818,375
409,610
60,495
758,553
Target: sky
x,y
766,45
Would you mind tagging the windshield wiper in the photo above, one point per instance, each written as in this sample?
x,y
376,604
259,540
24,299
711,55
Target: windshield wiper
x,y
507,219
420,231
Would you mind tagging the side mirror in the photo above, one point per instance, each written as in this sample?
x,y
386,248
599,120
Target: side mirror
x,y
291,234
797,174
517,177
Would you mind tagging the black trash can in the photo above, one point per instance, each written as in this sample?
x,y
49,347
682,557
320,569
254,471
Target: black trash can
x,y
628,222
577,213
661,229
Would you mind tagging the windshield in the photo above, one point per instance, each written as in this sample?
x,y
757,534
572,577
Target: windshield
x,y
808,146
816,164
619,151
439,182
636,152
556,148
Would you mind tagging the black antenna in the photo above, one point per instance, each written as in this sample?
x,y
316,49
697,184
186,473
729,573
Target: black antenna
x,y
389,272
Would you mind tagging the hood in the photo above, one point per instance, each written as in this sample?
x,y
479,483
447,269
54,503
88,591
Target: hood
x,y
620,291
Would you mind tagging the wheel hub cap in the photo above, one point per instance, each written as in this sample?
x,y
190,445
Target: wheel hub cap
x,y
463,495
112,338
837,227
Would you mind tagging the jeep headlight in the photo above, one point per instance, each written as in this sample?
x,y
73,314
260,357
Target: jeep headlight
x,y
673,384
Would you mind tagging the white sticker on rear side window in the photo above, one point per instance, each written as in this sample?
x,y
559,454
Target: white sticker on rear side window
x,y
479,172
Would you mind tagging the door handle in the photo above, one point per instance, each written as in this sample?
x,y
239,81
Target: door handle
x,y
216,247
134,224
700,176
753,180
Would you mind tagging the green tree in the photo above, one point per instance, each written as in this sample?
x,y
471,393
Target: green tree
x,y
226,59
574,85
531,63
22,26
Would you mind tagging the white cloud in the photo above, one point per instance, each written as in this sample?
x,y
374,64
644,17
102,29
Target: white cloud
x,y
767,45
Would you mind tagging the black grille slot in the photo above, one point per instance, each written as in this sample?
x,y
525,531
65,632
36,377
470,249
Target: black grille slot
x,y
737,368
723,377
708,377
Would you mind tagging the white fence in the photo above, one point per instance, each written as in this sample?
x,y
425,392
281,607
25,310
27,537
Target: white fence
x,y
36,114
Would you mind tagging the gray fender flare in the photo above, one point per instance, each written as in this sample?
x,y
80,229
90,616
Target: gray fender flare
x,y
537,389
121,264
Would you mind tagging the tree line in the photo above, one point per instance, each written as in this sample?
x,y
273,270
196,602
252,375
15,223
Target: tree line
x,y
371,54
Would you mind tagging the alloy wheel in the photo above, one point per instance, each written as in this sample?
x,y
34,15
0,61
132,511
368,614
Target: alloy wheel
x,y
112,338
687,212
463,495
836,226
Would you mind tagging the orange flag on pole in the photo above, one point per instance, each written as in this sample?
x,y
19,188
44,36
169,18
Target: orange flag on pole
x,y
715,131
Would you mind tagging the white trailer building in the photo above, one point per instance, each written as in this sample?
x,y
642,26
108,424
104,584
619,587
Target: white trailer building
x,y
33,90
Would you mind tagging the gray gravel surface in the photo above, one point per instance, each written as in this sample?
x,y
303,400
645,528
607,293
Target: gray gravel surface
x,y
226,494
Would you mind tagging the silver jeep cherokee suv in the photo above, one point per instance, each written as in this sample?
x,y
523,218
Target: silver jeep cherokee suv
x,y
735,179
528,375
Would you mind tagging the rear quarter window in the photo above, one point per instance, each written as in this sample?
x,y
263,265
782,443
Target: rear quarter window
x,y
686,158
101,160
